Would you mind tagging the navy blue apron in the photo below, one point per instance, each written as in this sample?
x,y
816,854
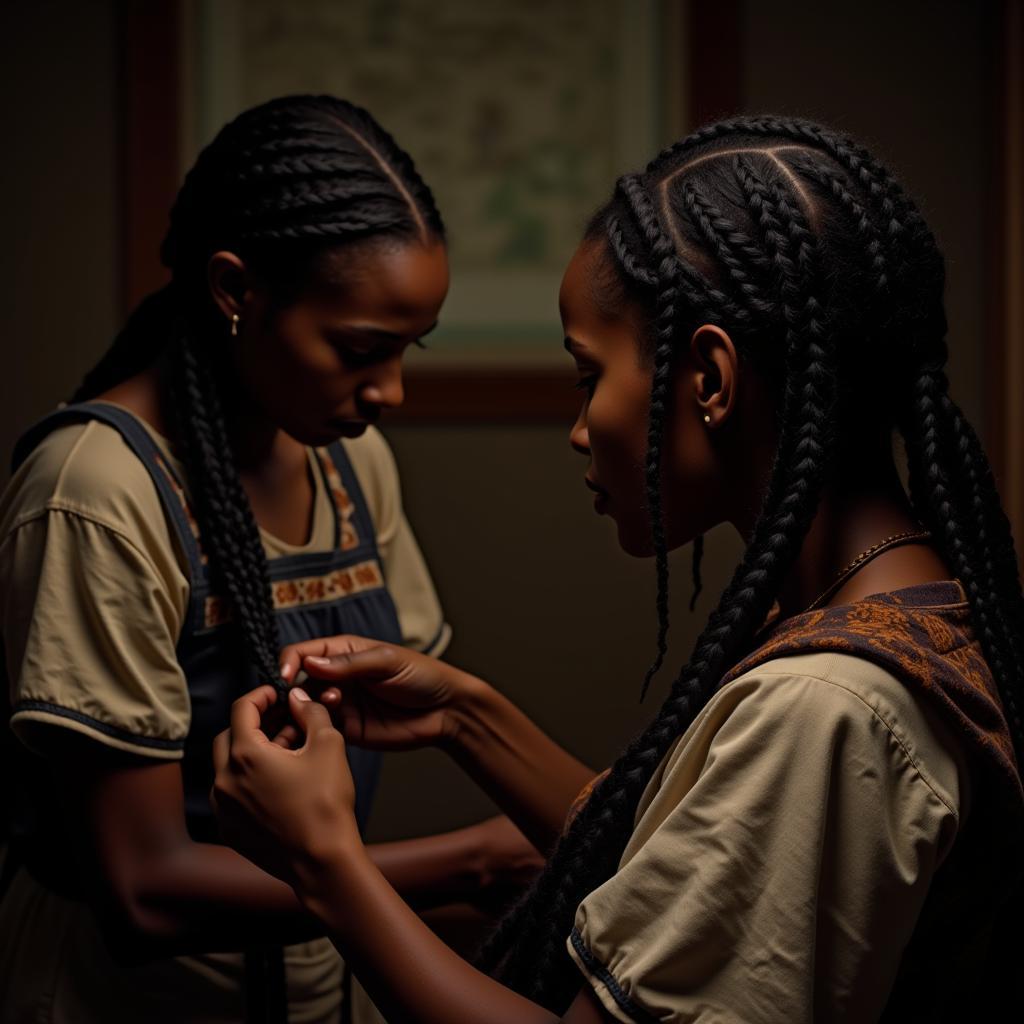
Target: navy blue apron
x,y
315,594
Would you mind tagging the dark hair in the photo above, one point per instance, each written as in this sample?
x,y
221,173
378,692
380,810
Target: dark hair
x,y
805,249
285,186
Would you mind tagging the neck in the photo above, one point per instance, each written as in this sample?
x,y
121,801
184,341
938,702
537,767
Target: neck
x,y
853,516
254,439
862,503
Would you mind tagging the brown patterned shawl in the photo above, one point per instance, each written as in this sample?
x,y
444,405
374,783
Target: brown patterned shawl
x,y
962,956
962,959
922,635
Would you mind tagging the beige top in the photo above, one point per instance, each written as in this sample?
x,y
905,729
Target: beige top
x,y
95,593
96,586
781,853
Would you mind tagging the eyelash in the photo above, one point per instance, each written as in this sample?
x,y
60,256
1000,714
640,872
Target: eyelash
x,y
359,358
586,384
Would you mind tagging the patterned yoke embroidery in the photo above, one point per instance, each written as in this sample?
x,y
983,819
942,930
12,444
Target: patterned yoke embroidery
x,y
193,525
307,590
349,536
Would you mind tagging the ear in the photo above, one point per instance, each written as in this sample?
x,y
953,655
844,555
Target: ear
x,y
228,280
716,377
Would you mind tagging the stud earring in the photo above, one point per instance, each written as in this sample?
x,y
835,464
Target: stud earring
x,y
707,418
234,325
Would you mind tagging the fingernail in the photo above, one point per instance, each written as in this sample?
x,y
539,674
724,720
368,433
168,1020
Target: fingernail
x,y
300,693
286,671
313,660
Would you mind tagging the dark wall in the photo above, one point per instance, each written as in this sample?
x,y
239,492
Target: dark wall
x,y
58,187
540,597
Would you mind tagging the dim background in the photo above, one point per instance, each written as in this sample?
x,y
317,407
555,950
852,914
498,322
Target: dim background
x,y
540,598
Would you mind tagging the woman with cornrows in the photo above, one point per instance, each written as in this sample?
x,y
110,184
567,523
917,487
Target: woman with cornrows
x,y
216,490
823,821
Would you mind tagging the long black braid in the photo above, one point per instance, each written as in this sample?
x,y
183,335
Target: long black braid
x,y
284,185
806,250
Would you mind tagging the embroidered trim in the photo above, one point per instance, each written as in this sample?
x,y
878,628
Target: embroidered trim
x,y
193,524
603,975
331,586
349,535
95,723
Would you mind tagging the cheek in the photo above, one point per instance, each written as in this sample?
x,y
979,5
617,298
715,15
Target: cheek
x,y
289,371
618,441
688,482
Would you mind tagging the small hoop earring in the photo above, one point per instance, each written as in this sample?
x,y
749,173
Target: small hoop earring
x,y
234,325
707,418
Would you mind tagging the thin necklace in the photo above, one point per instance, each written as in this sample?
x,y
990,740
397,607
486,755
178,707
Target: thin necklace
x,y
895,541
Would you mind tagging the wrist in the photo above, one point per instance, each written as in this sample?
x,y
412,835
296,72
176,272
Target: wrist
x,y
469,707
324,871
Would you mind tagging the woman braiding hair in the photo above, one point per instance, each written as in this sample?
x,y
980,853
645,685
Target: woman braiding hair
x,y
824,818
216,490
287,185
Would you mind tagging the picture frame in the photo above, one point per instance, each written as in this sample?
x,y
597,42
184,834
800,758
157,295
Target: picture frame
x,y
519,116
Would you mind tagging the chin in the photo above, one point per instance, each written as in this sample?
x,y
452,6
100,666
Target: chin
x,y
636,543
636,540
312,436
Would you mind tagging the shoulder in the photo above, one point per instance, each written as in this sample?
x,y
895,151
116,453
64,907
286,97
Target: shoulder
x,y
87,472
832,705
82,467
835,688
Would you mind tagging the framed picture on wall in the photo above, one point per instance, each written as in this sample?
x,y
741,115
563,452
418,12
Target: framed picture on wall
x,y
519,116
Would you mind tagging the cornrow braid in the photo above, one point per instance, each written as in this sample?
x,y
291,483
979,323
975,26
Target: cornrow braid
x,y
663,256
695,566
234,540
530,945
285,185
807,251
944,458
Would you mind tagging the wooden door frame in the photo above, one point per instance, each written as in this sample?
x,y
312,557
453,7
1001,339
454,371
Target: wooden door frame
x,y
1004,339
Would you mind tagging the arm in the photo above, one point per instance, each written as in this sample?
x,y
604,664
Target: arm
x,y
410,973
159,892
481,862
396,699
528,775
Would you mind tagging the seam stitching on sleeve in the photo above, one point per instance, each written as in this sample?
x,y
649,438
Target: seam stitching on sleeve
x,y
435,641
911,760
86,515
599,971
79,441
104,727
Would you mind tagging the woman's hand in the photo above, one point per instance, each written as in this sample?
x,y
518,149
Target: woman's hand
x,y
380,695
277,805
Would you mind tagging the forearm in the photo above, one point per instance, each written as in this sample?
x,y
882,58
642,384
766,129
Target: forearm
x,y
198,897
432,870
409,972
532,778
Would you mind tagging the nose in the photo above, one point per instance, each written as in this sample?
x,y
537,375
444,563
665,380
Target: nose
x,y
383,386
579,436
